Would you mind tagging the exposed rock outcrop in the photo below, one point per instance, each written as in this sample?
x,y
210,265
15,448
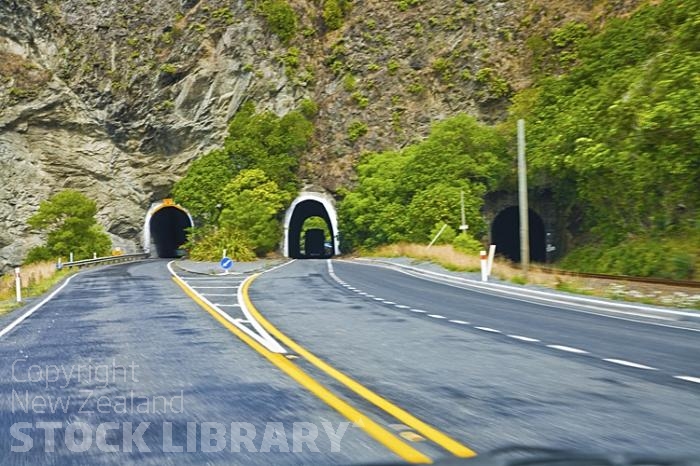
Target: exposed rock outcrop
x,y
116,97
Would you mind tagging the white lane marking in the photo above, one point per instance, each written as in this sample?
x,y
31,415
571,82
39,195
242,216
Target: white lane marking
x,y
209,278
378,299
370,295
622,362
216,294
215,287
437,316
401,306
568,349
420,311
488,329
389,302
467,284
227,305
460,322
522,338
31,311
260,335
687,378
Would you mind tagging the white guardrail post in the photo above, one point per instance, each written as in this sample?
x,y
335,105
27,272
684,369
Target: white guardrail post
x,y
18,284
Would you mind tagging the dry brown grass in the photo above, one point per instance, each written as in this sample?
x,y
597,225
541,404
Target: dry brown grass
x,y
451,259
36,279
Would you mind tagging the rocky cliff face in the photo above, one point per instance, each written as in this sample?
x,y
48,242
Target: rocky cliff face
x,y
116,97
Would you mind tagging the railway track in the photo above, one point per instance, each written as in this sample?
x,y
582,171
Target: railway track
x,y
627,278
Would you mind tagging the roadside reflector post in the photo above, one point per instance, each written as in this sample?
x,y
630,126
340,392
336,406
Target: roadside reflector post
x,y
492,254
18,284
223,254
59,265
71,257
484,267
94,255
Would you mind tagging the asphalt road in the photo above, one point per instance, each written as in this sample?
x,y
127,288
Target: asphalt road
x,y
124,344
479,366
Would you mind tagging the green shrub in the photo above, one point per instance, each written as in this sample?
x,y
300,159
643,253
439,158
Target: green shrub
x,y
466,243
356,130
332,14
207,244
281,18
448,234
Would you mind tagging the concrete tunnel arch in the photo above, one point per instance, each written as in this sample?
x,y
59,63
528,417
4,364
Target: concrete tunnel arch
x,y
307,205
505,234
165,228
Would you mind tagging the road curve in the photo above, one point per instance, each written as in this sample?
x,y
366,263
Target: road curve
x,y
141,351
450,357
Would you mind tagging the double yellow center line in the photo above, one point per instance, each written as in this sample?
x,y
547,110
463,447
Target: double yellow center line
x,y
376,431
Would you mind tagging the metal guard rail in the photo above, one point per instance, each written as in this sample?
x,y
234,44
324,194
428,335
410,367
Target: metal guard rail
x,y
103,260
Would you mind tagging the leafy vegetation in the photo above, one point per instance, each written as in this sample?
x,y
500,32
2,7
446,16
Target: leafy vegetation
x,y
68,220
236,193
402,194
281,18
616,139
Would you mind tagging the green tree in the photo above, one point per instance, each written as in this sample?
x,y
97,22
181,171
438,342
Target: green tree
x,y
251,204
200,190
68,220
401,195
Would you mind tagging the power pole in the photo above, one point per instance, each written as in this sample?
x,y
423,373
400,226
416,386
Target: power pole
x,y
463,227
522,200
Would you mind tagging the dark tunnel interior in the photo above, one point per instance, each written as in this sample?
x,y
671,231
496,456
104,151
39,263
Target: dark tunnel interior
x,y
302,211
505,234
168,232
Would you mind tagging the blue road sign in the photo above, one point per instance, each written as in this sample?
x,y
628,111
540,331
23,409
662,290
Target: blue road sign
x,y
226,263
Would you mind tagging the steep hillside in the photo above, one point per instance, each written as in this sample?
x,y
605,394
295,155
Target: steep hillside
x,y
116,98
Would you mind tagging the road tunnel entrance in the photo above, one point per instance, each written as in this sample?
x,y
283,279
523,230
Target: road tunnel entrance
x,y
165,230
505,234
308,216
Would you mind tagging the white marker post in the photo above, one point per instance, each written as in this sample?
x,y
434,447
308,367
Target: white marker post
x,y
492,254
484,267
94,255
71,257
18,284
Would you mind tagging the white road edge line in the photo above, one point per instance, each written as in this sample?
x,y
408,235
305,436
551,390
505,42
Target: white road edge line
x,y
687,378
568,349
31,311
622,362
463,283
260,335
522,338
488,329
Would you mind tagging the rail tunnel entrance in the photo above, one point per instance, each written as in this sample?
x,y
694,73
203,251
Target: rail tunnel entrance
x,y
505,234
320,212
165,229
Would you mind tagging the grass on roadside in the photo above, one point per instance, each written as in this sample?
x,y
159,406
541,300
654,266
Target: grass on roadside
x,y
453,260
36,279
